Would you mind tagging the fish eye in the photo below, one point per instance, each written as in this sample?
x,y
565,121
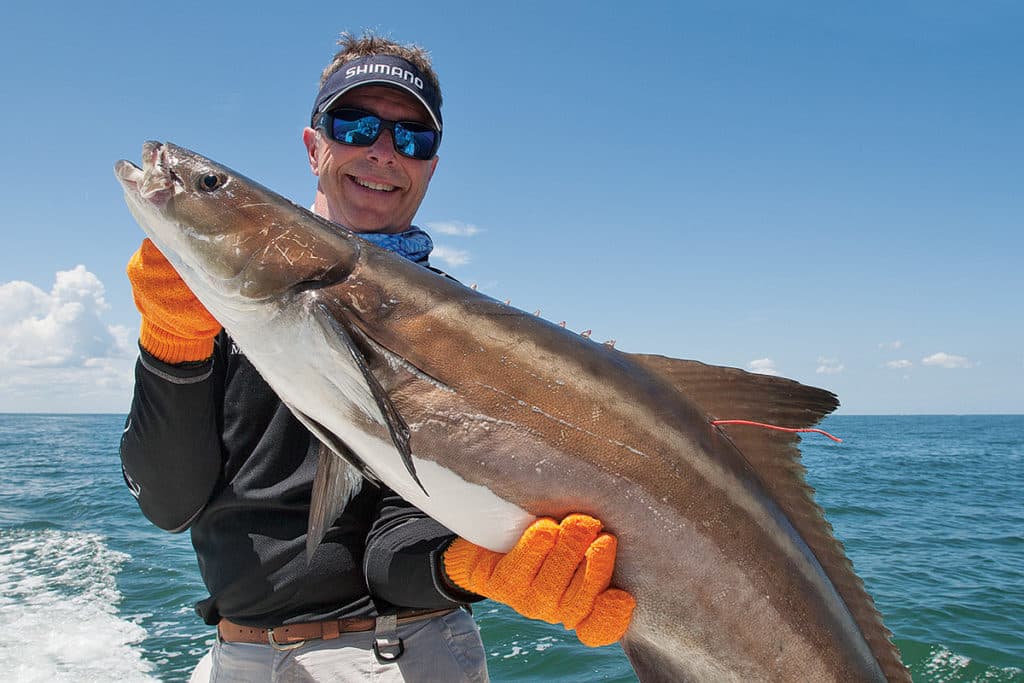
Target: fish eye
x,y
208,182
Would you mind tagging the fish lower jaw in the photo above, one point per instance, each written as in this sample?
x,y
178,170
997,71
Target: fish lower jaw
x,y
157,196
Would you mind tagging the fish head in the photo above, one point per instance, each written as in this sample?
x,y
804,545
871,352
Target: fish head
x,y
226,234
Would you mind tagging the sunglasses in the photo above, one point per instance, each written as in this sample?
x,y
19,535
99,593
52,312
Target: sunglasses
x,y
361,129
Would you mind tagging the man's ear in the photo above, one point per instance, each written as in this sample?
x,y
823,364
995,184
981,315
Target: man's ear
x,y
310,139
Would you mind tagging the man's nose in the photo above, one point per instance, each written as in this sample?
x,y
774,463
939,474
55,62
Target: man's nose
x,y
383,148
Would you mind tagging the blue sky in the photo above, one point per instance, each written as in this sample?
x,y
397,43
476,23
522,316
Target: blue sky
x,y
827,192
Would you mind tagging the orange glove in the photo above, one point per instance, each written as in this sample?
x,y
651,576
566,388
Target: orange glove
x,y
175,326
556,572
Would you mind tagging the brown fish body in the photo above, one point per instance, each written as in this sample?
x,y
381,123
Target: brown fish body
x,y
556,424
736,574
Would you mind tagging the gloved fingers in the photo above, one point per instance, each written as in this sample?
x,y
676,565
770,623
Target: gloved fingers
x,y
470,566
486,562
147,264
150,255
517,569
608,621
544,594
175,325
156,285
592,577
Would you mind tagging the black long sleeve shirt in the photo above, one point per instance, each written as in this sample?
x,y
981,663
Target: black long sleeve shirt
x,y
209,447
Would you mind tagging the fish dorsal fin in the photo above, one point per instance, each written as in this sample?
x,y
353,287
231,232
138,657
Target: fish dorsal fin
x,y
734,394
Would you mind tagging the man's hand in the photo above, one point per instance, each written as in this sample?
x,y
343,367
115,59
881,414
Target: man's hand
x,y
556,572
175,326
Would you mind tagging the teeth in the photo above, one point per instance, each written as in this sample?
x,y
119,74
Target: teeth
x,y
373,186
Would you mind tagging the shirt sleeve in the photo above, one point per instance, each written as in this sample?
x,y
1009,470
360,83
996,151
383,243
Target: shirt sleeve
x,y
404,550
171,450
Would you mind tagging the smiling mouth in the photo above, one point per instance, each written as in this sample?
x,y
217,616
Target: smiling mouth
x,y
380,187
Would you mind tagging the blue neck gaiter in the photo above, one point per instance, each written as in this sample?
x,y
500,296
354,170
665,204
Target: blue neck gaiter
x,y
413,244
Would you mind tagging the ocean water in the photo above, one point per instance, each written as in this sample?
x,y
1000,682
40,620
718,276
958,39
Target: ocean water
x,y
929,507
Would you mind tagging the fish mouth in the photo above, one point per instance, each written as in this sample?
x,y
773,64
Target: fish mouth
x,y
155,182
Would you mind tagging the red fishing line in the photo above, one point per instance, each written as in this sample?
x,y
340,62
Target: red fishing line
x,y
781,429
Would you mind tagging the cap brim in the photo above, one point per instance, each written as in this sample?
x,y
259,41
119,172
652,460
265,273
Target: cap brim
x,y
329,103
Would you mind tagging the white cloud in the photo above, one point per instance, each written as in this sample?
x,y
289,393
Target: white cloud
x,y
62,328
452,257
55,346
454,228
829,366
763,366
946,360
898,364
891,345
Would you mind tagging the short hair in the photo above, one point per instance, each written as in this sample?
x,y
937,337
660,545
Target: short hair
x,y
370,44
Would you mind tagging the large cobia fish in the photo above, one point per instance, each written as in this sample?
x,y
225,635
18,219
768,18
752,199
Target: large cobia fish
x,y
485,417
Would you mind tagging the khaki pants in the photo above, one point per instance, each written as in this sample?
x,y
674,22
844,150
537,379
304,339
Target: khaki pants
x,y
446,649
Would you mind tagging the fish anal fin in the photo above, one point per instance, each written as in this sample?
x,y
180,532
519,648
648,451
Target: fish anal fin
x,y
734,394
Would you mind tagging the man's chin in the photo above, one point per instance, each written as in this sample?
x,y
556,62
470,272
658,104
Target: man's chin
x,y
371,222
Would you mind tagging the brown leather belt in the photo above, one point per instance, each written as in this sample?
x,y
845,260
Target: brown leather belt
x,y
231,632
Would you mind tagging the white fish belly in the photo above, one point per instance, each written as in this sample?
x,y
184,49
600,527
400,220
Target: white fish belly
x,y
315,375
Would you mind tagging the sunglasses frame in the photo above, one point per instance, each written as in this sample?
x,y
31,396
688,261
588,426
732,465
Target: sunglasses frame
x,y
325,123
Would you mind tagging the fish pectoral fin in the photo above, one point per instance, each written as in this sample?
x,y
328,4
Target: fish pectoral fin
x,y
397,427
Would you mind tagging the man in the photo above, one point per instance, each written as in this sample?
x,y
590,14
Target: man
x,y
209,447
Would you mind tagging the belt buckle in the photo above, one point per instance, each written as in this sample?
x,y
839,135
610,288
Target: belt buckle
x,y
282,647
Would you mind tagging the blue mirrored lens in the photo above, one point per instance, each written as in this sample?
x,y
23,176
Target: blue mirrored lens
x,y
356,131
415,142
360,128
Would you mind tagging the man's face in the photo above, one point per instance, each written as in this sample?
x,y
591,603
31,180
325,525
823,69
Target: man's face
x,y
371,189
